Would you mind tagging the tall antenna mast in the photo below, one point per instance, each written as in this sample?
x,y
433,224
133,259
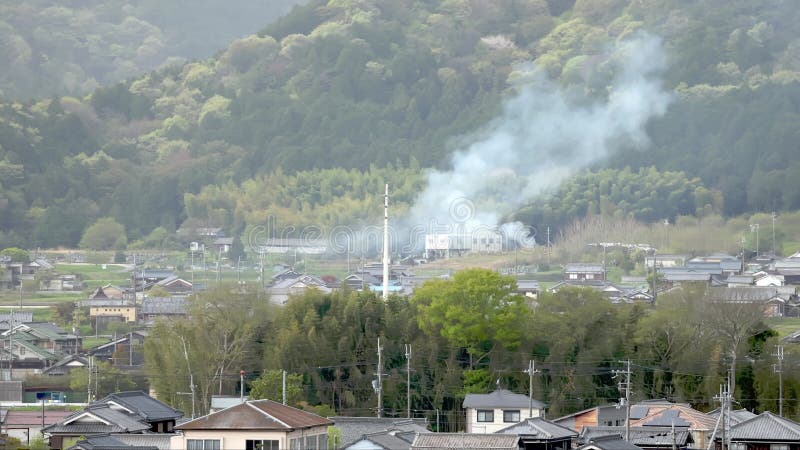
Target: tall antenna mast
x,y
386,244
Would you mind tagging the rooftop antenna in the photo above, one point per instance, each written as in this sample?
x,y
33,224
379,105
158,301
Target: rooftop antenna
x,y
386,244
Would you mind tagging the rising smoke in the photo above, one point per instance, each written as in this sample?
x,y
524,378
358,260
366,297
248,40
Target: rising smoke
x,y
543,136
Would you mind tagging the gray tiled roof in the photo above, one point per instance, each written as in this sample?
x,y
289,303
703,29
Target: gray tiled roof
x,y
641,436
539,428
148,407
163,305
433,441
500,398
118,422
158,440
388,441
354,428
610,442
106,442
766,426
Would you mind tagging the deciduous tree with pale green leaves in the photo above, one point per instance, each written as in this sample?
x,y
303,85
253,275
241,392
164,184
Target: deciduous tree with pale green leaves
x,y
477,309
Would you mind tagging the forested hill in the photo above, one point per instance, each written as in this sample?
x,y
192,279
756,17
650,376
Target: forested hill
x,y
366,83
71,47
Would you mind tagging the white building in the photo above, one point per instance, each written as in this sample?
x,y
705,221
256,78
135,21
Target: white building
x,y
489,413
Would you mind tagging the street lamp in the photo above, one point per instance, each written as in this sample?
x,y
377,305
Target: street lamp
x,y
754,228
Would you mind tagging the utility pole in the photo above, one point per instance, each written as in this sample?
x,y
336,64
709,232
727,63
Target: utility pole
x,y
408,380
378,386
531,371
89,384
779,370
386,244
283,384
626,386
722,398
754,228
241,386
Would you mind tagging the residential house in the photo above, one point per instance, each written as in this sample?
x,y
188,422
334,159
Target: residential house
x,y
665,260
280,292
648,438
528,288
354,430
540,434
289,245
104,312
146,278
615,293
108,291
65,365
489,413
222,244
608,442
254,425
123,351
661,413
10,320
740,280
773,300
46,336
174,285
604,415
734,416
384,440
164,307
132,412
25,425
584,272
765,431
469,441
763,279
108,442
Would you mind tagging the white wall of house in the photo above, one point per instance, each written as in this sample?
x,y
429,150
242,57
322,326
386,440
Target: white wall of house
x,y
237,440
501,418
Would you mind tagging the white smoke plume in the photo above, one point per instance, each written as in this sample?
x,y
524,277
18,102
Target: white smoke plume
x,y
543,136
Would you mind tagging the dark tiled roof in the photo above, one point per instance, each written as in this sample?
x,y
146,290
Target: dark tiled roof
x,y
539,428
118,422
354,428
500,398
432,441
641,436
766,426
140,403
106,442
388,441
257,415
610,442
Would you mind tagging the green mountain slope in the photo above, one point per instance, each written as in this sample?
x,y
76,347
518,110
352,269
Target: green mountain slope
x,y
54,47
364,83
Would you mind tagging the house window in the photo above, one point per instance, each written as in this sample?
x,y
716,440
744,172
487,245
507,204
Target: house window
x,y
511,415
589,276
573,276
485,415
261,444
202,444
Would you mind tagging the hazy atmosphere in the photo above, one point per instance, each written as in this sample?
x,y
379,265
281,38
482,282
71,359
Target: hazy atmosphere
x,y
592,224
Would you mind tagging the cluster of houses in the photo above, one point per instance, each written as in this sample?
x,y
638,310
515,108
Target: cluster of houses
x,y
497,420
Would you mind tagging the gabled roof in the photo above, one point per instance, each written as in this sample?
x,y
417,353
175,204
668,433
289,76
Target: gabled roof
x,y
99,418
540,429
257,415
766,426
107,442
696,419
385,440
584,267
142,404
737,416
67,362
642,436
465,441
354,428
500,398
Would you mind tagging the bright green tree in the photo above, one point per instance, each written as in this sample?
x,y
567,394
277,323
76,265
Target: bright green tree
x,y
477,309
270,385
